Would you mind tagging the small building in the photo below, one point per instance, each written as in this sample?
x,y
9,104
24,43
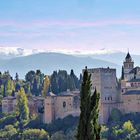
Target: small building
x,y
60,106
34,103
8,104
131,101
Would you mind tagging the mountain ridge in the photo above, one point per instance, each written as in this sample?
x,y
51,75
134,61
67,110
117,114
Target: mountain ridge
x,y
48,62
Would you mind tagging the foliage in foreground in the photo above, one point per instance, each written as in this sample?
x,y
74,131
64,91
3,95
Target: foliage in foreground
x,y
11,133
126,127
61,128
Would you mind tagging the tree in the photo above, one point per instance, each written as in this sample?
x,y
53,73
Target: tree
x,y
45,86
80,81
27,87
17,77
88,128
54,83
75,79
115,115
58,136
9,87
128,126
9,132
2,90
22,106
122,76
33,134
71,83
30,76
35,88
34,82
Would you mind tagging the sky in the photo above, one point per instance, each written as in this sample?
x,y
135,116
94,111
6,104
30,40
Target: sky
x,y
71,25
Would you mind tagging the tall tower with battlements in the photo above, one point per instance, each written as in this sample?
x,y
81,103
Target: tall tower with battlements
x,y
105,81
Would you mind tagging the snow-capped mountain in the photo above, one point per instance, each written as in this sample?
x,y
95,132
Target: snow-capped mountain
x,y
22,60
11,52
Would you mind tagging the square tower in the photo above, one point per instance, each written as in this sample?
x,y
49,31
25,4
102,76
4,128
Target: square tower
x,y
105,81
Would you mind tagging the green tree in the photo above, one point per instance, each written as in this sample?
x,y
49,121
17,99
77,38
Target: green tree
x,y
33,134
75,79
62,80
80,81
22,106
122,76
35,89
128,126
46,85
54,83
29,77
8,133
59,136
88,128
2,90
17,77
71,83
9,87
34,82
115,115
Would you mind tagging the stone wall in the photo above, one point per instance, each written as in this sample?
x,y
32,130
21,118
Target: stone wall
x,y
60,106
131,103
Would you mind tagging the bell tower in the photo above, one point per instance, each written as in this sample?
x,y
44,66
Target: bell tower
x,y
128,65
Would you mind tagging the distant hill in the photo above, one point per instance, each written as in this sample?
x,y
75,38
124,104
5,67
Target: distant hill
x,y
22,60
48,62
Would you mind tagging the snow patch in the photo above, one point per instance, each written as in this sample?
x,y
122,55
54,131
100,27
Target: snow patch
x,y
17,51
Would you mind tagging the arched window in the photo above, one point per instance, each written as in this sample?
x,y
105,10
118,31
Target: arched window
x,y
64,104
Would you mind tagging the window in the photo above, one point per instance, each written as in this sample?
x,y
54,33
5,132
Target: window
x,y
64,104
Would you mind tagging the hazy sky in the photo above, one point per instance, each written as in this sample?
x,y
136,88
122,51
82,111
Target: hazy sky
x,y
71,24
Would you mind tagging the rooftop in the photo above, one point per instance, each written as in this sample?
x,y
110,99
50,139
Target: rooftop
x,y
134,70
9,98
51,94
134,80
132,92
128,56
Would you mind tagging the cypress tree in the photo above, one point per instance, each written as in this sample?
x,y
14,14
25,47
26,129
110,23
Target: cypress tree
x,y
122,76
74,79
46,86
88,128
17,77
54,83
22,106
70,83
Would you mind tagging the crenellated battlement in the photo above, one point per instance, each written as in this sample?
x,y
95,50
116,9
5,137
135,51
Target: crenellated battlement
x,y
102,70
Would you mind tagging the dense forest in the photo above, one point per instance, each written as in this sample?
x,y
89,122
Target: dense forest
x,y
36,83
